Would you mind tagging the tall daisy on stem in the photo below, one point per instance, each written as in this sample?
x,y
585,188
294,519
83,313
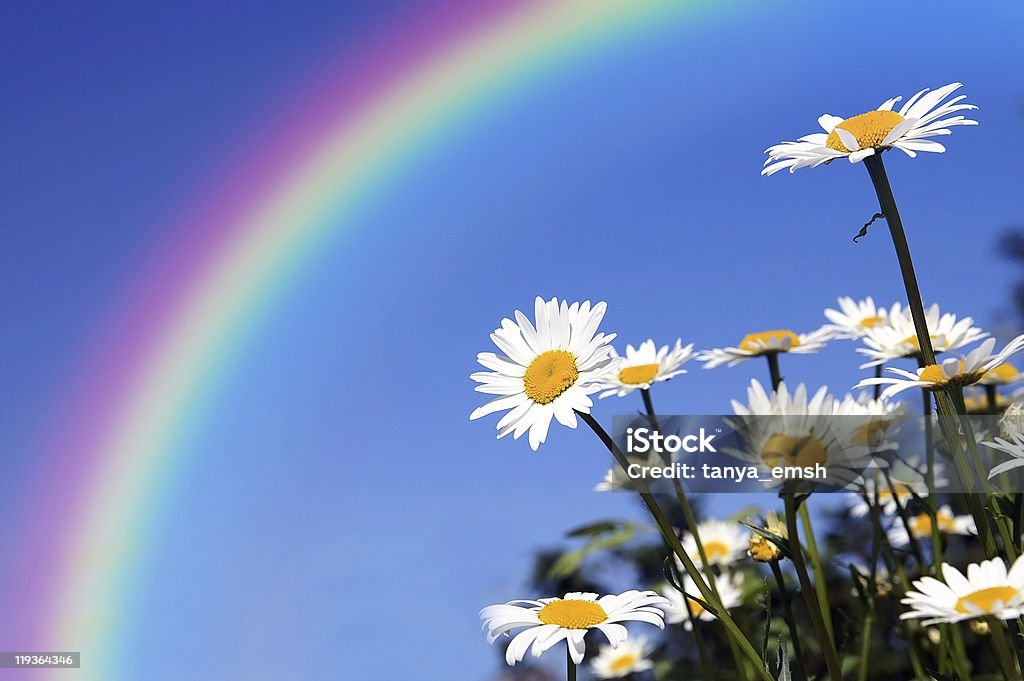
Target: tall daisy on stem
x,y
548,370
707,591
866,137
767,344
548,621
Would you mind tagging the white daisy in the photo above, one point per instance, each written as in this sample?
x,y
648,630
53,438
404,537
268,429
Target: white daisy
x,y
879,493
787,430
728,586
646,365
854,318
617,480
952,372
764,343
548,370
877,420
976,401
630,657
924,115
908,480
550,620
1012,444
921,526
1004,374
988,590
896,337
724,542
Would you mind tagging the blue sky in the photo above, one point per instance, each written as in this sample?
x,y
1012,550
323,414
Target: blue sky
x,y
336,502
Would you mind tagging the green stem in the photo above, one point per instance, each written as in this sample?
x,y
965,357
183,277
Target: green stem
x,y
773,369
691,524
820,583
878,374
731,628
648,403
915,546
998,636
994,509
899,576
992,399
787,615
933,499
702,646
957,651
570,666
828,645
947,413
865,642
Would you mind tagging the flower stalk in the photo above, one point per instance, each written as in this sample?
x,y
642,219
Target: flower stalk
x,y
691,522
787,614
944,404
807,589
676,546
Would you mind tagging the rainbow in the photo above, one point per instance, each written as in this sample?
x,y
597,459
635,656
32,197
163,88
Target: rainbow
x,y
152,367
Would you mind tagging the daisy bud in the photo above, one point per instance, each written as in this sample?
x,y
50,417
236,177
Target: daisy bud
x,y
762,549
981,627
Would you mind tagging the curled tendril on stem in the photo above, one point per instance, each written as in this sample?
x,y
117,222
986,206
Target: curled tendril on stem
x,y
864,230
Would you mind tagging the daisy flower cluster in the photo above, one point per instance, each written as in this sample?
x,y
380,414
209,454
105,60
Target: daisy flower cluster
x,y
547,368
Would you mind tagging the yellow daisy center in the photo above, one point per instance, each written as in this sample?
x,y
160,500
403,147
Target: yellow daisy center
x,y
902,492
639,375
913,340
985,599
716,550
921,524
549,375
1003,373
868,128
933,374
755,341
869,434
785,450
696,608
980,403
623,662
868,322
572,614
763,550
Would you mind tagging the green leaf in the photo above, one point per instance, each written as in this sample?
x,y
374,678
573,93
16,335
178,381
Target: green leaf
x,y
782,660
596,529
603,535
566,564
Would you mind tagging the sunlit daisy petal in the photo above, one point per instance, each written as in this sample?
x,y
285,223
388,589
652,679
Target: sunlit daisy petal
x,y
988,590
547,621
796,430
728,586
548,370
951,372
643,366
724,542
921,526
1011,443
854,318
924,115
613,662
896,336
764,343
